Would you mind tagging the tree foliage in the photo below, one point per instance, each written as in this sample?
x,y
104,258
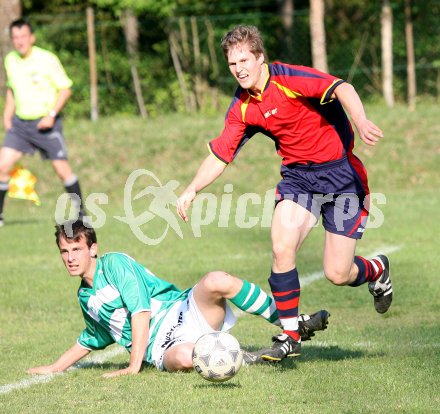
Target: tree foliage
x,y
352,33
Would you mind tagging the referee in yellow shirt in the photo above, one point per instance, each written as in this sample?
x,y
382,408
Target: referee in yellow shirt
x,y
38,89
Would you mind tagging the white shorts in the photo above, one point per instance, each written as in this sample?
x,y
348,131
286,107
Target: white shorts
x,y
184,323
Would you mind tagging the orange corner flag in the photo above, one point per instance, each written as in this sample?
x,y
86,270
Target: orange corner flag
x,y
22,185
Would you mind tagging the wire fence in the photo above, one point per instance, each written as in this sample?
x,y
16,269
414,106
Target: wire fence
x,y
354,53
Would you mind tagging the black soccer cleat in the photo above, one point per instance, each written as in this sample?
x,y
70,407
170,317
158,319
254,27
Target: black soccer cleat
x,y
2,221
382,289
253,357
283,346
308,324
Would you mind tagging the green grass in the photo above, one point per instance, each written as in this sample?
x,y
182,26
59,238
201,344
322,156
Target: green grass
x,y
364,362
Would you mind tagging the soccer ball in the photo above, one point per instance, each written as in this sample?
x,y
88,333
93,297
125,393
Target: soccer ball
x,y
217,356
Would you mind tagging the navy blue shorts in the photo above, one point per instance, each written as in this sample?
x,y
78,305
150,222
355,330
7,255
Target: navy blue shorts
x,y
337,190
24,136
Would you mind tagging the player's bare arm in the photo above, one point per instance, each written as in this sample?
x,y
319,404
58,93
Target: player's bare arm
x,y
65,361
210,169
350,100
9,110
48,121
139,328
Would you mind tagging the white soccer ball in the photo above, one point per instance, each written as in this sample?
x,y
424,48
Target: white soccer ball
x,y
217,356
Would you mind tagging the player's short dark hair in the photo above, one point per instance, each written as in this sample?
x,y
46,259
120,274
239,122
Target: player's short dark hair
x,y
74,230
19,23
242,34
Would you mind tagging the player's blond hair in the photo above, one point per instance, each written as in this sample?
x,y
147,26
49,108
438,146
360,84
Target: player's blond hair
x,y
249,35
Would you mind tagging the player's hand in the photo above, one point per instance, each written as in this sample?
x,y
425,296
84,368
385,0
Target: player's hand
x,y
46,122
44,369
183,203
119,372
369,132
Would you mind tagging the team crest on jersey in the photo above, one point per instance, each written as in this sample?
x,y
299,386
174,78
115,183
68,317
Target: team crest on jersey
x,y
270,112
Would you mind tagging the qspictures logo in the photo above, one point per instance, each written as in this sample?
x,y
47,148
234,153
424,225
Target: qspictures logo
x,y
146,201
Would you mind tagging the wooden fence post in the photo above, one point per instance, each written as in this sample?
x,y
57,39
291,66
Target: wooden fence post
x,y
131,32
92,64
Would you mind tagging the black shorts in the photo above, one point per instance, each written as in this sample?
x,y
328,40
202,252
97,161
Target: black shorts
x,y
24,136
337,190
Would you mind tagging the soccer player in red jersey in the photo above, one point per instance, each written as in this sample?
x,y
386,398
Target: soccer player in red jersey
x,y
303,111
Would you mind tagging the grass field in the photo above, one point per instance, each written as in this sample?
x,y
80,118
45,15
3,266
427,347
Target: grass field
x,y
364,362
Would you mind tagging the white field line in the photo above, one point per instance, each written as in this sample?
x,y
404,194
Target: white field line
x,y
105,356
41,379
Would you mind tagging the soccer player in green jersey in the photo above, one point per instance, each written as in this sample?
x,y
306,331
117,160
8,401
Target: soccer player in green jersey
x,y
38,89
123,302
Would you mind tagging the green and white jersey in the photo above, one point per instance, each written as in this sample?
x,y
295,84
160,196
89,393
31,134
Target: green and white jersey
x,y
121,288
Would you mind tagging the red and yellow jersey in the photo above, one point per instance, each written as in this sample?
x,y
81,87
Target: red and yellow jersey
x,y
296,110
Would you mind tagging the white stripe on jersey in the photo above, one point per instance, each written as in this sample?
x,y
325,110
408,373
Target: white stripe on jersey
x,y
117,322
105,295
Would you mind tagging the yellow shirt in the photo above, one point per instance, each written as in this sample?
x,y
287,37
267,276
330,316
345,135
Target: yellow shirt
x,y
35,82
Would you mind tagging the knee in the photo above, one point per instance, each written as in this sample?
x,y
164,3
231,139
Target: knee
x,y
338,277
217,281
281,251
182,360
283,256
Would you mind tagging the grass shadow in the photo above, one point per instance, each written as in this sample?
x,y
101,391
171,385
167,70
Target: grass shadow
x,y
22,222
330,353
110,366
317,353
222,385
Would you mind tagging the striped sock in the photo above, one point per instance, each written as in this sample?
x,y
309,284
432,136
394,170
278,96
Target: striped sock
x,y
286,292
369,270
72,187
252,299
4,186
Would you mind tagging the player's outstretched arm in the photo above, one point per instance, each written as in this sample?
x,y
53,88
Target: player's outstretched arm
x,y
140,323
350,100
210,169
66,360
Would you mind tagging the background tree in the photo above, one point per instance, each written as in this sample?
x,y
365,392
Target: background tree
x,y
352,39
317,35
131,31
387,52
9,11
287,8
411,66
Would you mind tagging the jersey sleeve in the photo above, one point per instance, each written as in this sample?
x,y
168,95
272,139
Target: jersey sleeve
x,y
305,81
130,279
233,137
94,336
57,73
